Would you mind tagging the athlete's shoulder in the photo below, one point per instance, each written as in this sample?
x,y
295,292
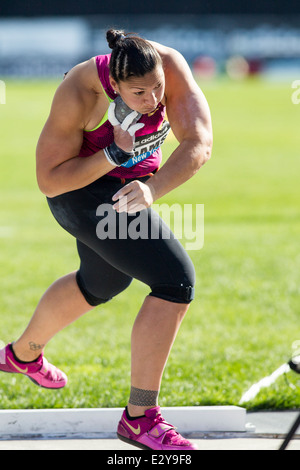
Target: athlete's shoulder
x,y
77,95
178,76
80,89
173,60
84,77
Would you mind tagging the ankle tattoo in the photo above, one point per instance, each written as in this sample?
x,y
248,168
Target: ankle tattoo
x,y
34,346
140,397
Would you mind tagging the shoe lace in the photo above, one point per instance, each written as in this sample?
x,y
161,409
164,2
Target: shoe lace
x,y
52,372
171,436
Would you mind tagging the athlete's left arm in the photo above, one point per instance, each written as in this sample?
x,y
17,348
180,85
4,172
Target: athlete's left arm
x,y
189,116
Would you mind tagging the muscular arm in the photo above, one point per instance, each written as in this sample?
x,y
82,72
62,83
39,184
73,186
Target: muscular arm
x,y
58,167
190,120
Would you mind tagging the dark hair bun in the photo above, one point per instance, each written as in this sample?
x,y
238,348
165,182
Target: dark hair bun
x,y
113,36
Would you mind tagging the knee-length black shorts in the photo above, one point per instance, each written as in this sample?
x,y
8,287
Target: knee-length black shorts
x,y
115,248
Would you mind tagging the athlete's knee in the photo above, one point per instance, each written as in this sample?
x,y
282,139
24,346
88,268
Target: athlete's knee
x,y
182,294
98,295
181,288
91,299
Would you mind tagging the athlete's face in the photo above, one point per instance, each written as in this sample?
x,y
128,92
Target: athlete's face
x,y
142,94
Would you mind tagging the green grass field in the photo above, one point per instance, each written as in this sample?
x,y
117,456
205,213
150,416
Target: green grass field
x,y
245,317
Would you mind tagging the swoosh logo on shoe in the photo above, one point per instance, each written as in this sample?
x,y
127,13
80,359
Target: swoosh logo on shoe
x,y
136,431
23,371
162,428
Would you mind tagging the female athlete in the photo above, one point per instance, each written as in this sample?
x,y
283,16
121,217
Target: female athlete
x,y
87,155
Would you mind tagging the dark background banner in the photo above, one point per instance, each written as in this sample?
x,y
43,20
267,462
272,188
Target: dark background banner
x,y
90,7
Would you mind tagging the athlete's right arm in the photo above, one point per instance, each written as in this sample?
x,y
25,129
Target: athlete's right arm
x,y
58,167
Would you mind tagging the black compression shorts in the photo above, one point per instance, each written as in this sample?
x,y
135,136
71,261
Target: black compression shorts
x,y
108,265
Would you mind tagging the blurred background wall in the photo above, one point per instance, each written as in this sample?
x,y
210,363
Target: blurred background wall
x,y
45,39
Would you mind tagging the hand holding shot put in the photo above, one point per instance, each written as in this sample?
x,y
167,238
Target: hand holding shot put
x,y
124,121
135,196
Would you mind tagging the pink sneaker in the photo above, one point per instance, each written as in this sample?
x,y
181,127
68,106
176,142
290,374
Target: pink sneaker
x,y
151,432
40,371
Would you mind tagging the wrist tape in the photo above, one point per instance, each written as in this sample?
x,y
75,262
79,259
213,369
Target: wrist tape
x,y
116,156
